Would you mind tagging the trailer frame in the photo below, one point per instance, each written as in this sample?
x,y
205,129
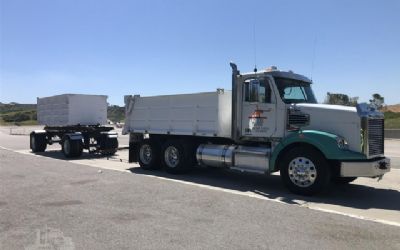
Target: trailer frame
x,y
73,139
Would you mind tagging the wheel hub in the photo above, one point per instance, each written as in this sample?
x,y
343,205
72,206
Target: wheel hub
x,y
302,172
145,154
171,156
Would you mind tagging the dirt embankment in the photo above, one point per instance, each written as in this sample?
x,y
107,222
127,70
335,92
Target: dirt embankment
x,y
392,108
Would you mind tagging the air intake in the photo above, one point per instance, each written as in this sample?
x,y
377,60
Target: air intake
x,y
297,119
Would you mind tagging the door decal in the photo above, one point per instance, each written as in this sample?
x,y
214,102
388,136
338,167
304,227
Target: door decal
x,y
256,121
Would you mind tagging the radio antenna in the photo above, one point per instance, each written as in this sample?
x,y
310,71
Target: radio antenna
x,y
255,47
313,57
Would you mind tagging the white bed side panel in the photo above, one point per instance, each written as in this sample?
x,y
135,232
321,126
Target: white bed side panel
x,y
72,109
203,114
88,109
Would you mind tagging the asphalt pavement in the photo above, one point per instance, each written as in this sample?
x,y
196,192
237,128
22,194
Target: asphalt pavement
x,y
105,203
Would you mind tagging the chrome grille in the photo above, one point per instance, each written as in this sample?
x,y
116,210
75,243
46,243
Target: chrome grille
x,y
375,136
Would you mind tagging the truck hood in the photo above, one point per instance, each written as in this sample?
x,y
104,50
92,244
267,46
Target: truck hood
x,y
343,121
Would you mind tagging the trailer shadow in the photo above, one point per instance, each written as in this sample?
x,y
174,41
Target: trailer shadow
x,y
350,195
57,154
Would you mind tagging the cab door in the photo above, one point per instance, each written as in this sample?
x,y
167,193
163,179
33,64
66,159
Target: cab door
x,y
258,109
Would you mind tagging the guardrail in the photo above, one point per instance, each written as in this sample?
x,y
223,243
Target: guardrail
x,y
392,133
20,131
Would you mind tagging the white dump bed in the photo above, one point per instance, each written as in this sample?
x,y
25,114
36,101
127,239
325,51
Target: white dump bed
x,y
200,114
72,109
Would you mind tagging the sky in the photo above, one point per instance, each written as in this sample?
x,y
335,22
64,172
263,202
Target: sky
x,y
119,47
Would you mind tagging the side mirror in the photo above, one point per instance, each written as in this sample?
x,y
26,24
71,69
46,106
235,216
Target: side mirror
x,y
254,90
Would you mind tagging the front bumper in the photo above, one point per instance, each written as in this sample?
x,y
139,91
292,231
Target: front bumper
x,y
365,169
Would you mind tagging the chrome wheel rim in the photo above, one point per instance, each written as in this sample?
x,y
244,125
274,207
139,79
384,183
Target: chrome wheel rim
x,y
145,154
302,172
171,156
67,147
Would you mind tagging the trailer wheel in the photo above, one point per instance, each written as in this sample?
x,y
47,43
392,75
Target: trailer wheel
x,y
148,154
305,171
108,146
177,158
343,180
72,148
38,142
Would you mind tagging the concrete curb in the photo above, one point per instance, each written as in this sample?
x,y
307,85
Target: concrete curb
x,y
392,133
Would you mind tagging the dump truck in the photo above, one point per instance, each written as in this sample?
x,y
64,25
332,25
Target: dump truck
x,y
270,121
76,122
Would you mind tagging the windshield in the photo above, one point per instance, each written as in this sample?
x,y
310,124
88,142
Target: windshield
x,y
294,91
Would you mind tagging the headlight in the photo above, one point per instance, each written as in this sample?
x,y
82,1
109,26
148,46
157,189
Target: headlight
x,y
342,143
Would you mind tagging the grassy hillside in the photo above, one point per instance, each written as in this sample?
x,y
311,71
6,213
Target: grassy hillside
x,y
20,114
392,120
116,113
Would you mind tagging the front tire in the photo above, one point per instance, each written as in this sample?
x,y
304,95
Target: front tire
x,y
305,171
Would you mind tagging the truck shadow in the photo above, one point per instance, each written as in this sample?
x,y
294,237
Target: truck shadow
x,y
350,195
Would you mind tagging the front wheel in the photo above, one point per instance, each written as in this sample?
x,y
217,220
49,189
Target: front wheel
x,y
305,171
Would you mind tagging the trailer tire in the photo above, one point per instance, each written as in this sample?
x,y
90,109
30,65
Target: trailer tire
x,y
343,180
38,142
71,148
108,146
177,157
148,154
305,171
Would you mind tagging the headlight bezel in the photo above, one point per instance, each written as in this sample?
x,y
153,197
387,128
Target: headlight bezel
x,y
342,143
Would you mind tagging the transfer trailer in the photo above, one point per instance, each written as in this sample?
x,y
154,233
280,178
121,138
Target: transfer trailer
x,y
76,122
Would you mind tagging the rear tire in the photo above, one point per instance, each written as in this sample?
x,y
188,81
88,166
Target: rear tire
x,y
71,148
38,142
148,154
177,157
305,171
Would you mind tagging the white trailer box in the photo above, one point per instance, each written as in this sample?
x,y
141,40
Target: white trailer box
x,y
201,114
72,109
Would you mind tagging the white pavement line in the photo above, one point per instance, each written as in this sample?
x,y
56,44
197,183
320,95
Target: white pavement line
x,y
247,194
1,147
392,223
